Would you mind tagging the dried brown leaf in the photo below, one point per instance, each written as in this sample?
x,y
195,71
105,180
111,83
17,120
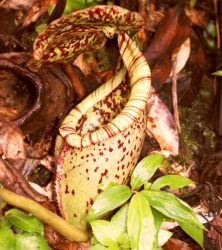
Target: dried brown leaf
x,y
18,5
36,9
11,178
215,231
175,244
151,16
11,141
173,30
198,17
161,125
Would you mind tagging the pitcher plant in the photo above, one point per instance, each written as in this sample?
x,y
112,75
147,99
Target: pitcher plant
x,y
101,138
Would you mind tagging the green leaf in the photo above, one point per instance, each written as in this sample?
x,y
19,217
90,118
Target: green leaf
x,y
218,73
7,238
157,248
114,246
40,27
108,200
2,204
28,241
119,219
147,185
193,231
23,221
175,208
73,5
140,224
106,185
97,247
93,240
124,241
158,219
78,4
173,181
105,232
145,169
169,205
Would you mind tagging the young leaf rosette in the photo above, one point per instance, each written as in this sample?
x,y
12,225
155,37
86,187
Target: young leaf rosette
x,y
138,224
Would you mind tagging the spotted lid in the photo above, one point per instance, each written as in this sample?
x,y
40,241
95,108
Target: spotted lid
x,y
82,31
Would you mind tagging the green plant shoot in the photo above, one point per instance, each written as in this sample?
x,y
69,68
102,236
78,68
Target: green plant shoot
x,y
137,224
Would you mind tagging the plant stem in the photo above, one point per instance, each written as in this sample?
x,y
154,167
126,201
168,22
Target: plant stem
x,y
58,10
60,225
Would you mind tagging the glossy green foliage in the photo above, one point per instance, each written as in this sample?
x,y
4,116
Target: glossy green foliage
x,y
79,4
23,221
105,232
137,225
218,73
172,207
7,238
145,169
140,223
119,219
108,200
173,181
20,231
28,241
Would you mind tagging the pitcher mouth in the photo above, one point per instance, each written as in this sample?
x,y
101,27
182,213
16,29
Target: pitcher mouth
x,y
140,78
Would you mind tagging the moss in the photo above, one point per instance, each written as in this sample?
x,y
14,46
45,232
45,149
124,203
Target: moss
x,y
197,133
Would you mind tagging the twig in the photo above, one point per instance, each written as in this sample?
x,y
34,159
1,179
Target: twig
x,y
217,24
218,42
24,185
60,225
58,10
174,95
11,178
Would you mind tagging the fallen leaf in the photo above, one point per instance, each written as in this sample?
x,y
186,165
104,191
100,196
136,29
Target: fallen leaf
x,y
161,125
181,56
151,16
198,17
36,9
215,231
175,244
173,30
188,86
11,141
11,179
17,5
